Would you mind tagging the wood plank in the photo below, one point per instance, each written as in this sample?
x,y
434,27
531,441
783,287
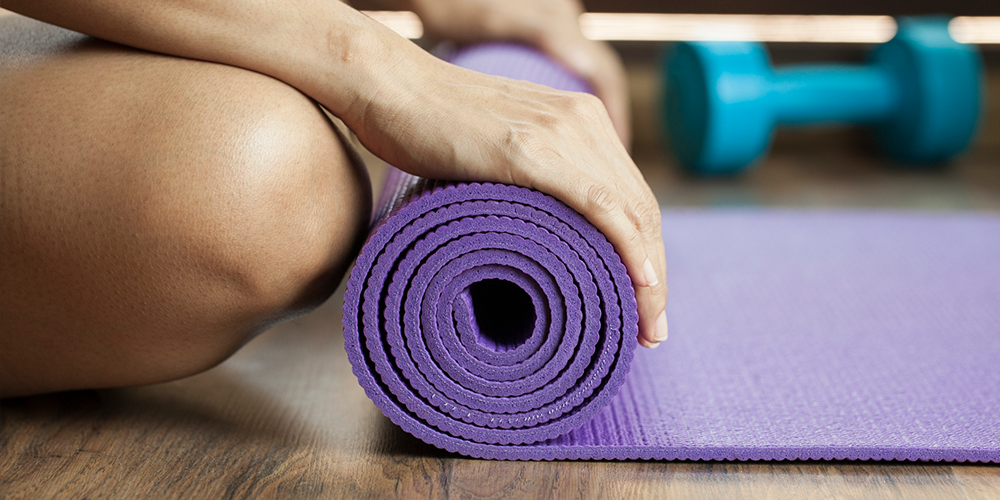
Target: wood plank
x,y
285,418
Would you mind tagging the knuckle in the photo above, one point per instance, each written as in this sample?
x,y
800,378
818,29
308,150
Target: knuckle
x,y
659,289
600,199
591,101
521,142
555,118
570,114
646,219
587,104
550,121
634,239
577,104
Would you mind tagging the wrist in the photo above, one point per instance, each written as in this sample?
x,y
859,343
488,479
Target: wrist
x,y
351,59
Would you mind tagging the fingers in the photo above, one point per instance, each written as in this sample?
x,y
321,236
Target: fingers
x,y
651,301
633,228
552,26
578,159
651,289
641,209
627,214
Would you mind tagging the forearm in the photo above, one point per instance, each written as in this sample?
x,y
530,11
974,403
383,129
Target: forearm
x,y
326,49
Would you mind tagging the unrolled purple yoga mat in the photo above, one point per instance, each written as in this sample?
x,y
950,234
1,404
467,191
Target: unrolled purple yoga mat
x,y
495,322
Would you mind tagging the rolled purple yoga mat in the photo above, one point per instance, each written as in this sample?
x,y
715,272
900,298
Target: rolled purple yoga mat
x,y
481,314
495,322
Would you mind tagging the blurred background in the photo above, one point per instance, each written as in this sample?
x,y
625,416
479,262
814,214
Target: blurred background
x,y
806,167
831,167
854,7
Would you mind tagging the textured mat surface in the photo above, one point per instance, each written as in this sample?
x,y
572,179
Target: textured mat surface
x,y
494,322
488,314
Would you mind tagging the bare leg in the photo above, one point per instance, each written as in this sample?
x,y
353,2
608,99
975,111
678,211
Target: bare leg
x,y
156,212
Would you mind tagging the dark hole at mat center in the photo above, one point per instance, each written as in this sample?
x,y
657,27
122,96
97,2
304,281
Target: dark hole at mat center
x,y
504,314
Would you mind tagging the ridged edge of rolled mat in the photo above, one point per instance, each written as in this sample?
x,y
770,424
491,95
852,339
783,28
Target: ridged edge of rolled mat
x,y
406,200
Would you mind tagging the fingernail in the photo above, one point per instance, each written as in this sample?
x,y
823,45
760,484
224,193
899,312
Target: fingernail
x,y
661,327
651,278
647,344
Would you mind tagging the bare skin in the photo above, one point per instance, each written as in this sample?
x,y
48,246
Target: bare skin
x,y
136,250
550,25
159,211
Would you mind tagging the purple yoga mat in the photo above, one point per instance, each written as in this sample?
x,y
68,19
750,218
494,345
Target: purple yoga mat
x,y
495,322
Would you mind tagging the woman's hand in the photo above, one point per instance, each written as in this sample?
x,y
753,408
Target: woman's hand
x,y
433,119
550,25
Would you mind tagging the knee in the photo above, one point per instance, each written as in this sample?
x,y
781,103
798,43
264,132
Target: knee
x,y
271,208
176,208
291,211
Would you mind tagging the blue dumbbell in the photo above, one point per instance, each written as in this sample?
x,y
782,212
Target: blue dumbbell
x,y
920,92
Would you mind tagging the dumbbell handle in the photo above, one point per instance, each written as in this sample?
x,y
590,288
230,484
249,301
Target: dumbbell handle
x,y
832,93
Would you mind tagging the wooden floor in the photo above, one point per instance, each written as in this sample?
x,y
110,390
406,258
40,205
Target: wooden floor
x,y
286,418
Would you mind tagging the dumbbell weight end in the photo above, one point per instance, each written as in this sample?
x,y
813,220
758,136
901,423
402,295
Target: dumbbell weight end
x,y
920,95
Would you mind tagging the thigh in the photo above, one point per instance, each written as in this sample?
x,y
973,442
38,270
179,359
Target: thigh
x,y
156,212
